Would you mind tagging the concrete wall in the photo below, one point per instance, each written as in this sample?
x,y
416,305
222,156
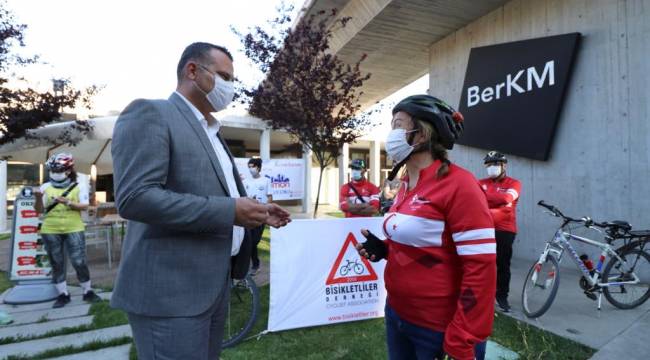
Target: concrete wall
x,y
599,163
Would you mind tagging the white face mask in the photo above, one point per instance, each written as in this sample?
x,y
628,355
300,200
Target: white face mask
x,y
58,176
221,94
253,171
356,175
397,147
493,171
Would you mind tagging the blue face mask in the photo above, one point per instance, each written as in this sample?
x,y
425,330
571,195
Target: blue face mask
x,y
356,175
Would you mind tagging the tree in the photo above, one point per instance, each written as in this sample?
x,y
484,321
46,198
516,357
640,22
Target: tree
x,y
309,92
23,108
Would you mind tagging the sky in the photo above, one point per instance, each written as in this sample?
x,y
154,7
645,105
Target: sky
x,y
131,48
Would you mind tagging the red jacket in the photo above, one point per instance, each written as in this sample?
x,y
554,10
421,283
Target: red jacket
x,y
368,191
441,268
503,196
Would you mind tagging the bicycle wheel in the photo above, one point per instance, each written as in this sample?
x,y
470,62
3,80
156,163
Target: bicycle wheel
x,y
242,311
358,268
344,270
628,296
540,287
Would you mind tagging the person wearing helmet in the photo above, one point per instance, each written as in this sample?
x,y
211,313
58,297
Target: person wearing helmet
x,y
439,247
61,201
502,194
359,197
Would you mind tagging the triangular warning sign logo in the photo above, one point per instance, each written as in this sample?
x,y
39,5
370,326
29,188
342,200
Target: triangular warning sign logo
x,y
354,269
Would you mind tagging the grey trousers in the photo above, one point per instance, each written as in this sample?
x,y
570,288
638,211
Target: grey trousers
x,y
181,338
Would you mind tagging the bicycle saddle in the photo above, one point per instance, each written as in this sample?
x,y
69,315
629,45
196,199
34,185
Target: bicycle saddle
x,y
619,224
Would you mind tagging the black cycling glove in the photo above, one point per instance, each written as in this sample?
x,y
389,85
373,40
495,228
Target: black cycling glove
x,y
376,247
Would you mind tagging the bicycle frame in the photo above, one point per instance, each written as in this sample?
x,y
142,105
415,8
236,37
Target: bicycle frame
x,y
560,242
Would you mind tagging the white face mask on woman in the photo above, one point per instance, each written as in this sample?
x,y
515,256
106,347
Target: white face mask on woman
x,y
221,94
494,171
397,147
58,176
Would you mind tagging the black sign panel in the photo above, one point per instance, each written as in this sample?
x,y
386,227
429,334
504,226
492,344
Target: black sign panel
x,y
513,94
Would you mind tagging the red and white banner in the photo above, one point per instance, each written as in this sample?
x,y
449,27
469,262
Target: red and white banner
x,y
317,277
29,259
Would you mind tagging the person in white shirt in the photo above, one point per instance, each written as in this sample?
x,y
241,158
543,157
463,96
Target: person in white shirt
x,y
258,187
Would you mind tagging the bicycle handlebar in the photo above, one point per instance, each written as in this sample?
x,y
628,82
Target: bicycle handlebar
x,y
587,221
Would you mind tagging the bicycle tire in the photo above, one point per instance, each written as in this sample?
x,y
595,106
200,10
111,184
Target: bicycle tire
x,y
645,276
358,269
546,304
243,309
344,270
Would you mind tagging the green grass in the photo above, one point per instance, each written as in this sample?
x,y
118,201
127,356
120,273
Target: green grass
x,y
533,343
337,214
5,237
4,281
366,340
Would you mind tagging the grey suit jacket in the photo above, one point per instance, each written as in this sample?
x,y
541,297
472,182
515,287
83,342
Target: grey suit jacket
x,y
170,186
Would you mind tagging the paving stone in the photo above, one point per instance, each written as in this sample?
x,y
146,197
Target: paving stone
x,y
75,300
39,329
113,353
33,347
50,314
498,352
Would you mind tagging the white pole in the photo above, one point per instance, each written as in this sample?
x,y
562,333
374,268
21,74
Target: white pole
x,y
265,144
344,161
375,163
3,195
306,201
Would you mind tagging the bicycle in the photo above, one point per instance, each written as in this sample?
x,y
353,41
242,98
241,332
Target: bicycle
x,y
243,309
345,269
626,275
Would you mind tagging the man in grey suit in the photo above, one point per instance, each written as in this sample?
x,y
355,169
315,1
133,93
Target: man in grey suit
x,y
177,184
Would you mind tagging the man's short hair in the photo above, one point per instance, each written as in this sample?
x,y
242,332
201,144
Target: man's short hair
x,y
198,51
257,162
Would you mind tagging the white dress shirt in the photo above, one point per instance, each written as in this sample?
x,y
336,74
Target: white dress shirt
x,y
226,165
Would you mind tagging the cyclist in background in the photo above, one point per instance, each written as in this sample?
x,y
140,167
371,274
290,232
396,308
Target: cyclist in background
x,y
440,251
62,225
502,194
359,197
257,187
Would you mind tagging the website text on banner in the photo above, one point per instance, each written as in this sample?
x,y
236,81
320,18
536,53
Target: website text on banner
x,y
29,259
317,276
287,176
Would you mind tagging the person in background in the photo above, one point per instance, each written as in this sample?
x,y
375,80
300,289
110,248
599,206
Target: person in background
x,y
391,187
502,194
439,248
359,197
61,201
258,187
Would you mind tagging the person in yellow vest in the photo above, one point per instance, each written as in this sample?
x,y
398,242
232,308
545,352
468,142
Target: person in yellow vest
x,y
61,201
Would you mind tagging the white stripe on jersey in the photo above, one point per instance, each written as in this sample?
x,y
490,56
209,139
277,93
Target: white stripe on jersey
x,y
413,230
513,193
477,234
476,249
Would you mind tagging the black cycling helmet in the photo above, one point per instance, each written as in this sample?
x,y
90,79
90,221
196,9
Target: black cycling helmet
x,y
358,164
447,122
495,157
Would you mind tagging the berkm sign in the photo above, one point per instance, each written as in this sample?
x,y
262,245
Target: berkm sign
x,y
513,94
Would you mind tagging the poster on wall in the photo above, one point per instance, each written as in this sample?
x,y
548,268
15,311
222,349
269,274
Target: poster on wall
x,y
29,260
317,276
513,94
287,176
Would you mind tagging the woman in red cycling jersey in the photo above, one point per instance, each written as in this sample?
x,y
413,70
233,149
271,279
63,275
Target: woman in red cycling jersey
x,y
441,264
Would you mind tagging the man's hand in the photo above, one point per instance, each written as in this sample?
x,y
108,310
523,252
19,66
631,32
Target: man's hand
x,y
62,200
278,217
37,192
250,213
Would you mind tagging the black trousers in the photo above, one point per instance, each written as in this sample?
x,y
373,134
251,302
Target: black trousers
x,y
256,237
504,254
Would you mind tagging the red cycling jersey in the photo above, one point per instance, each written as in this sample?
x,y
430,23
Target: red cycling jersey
x,y
441,268
368,191
502,196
